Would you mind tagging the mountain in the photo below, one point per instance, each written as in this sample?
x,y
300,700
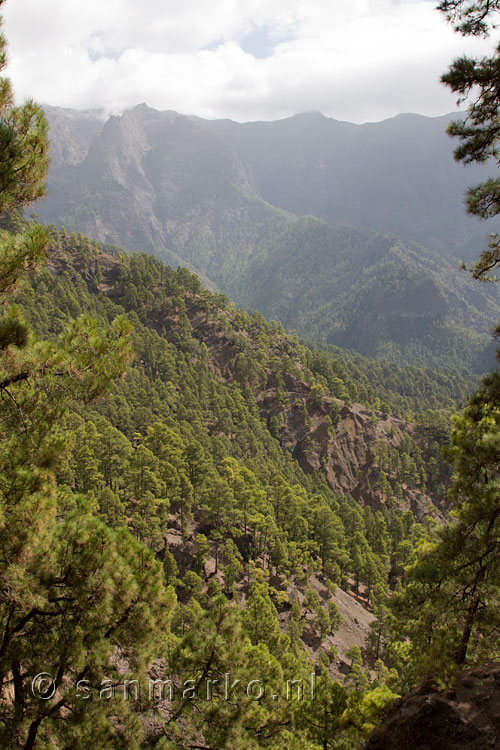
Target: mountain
x,y
395,176
226,200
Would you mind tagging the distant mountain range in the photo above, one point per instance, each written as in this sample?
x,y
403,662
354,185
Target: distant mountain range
x,y
319,223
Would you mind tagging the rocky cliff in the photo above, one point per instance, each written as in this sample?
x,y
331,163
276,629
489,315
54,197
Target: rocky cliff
x,y
466,717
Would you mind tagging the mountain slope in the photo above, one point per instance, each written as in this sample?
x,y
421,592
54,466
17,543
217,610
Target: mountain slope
x,y
241,460
372,293
396,176
324,434
160,182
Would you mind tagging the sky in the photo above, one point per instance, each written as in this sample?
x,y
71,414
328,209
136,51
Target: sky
x,y
355,60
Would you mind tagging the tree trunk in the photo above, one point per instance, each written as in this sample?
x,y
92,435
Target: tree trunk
x,y
467,632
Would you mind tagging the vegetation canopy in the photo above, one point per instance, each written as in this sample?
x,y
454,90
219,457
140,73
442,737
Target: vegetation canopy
x,y
479,133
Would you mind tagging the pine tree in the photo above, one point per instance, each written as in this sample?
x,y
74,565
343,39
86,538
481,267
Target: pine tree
x,y
478,133
72,591
452,599
320,718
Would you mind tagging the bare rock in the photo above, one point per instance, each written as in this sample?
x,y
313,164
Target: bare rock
x,y
465,718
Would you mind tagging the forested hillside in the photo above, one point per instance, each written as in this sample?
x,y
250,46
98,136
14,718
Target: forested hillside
x,y
306,399
279,507
199,193
370,293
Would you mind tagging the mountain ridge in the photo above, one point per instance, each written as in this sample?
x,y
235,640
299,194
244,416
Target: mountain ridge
x,y
194,192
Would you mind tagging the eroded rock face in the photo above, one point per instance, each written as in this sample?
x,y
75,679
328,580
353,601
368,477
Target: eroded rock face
x,y
346,457
464,718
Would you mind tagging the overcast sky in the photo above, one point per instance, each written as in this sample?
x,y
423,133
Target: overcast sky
x,y
357,60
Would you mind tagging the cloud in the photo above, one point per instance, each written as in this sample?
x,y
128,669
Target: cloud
x,y
359,60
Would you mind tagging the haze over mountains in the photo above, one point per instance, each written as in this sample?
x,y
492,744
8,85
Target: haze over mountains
x,y
319,223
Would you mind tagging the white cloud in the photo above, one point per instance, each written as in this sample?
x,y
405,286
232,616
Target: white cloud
x,y
351,59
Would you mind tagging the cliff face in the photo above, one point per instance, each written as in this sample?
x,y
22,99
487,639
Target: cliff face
x,y
345,452
466,717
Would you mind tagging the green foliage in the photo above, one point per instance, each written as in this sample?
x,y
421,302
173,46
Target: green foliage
x,y
74,592
25,147
451,601
478,133
386,386
470,17
364,710
154,456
